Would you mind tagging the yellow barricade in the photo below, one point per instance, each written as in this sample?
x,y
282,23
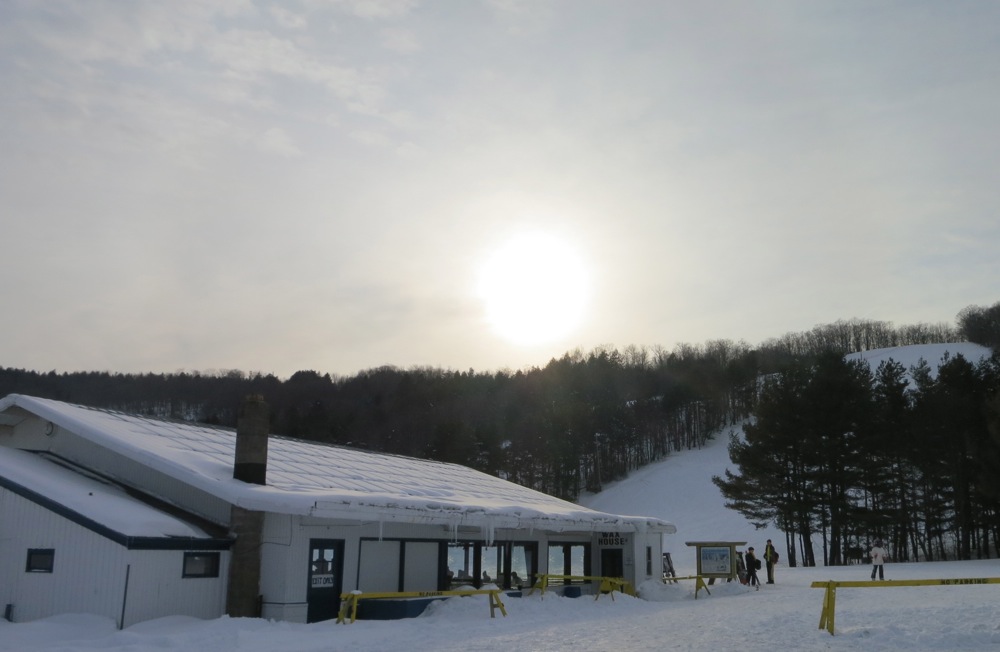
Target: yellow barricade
x,y
698,585
606,584
826,618
349,601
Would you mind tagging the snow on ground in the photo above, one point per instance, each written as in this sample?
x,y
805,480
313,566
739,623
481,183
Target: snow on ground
x,y
782,616
909,356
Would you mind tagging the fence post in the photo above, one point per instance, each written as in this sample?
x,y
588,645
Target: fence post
x,y
829,607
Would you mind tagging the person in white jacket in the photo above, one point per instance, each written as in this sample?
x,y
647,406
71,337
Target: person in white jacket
x,y
878,559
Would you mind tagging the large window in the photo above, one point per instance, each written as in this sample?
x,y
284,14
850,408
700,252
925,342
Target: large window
x,y
41,560
523,564
201,564
461,564
569,559
506,564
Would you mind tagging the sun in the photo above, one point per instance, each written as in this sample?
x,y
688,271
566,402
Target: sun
x,y
534,289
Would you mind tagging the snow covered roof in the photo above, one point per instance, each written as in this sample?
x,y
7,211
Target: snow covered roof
x,y
327,481
88,500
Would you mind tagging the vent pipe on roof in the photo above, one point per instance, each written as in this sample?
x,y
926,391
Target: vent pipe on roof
x,y
252,426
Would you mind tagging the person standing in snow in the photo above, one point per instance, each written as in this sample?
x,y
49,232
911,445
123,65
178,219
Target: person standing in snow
x,y
878,559
770,559
751,564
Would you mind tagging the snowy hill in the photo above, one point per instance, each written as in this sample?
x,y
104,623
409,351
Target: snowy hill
x,y
909,356
679,489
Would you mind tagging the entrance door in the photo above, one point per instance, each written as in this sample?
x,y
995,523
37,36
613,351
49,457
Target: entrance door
x,y
326,572
612,562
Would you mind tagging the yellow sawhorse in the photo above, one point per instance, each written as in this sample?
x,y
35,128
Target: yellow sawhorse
x,y
699,583
349,601
605,584
826,618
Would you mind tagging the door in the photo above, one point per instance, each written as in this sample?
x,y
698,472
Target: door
x,y
612,562
326,579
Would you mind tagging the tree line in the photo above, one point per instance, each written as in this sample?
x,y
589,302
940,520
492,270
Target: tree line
x,y
571,426
580,421
845,454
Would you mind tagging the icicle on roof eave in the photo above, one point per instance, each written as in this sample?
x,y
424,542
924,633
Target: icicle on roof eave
x,y
475,516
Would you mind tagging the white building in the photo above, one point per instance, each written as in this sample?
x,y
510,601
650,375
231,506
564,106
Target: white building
x,y
137,518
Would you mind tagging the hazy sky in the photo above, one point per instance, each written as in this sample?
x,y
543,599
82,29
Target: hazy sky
x,y
320,184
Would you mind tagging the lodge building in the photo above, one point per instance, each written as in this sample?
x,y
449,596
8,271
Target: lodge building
x,y
136,518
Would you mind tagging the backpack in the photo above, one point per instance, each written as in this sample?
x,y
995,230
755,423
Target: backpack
x,y
774,556
756,564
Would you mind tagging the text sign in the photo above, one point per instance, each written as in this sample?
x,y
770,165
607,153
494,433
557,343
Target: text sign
x,y
715,560
322,581
612,539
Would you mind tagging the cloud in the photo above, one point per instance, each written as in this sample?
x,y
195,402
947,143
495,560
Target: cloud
x,y
730,168
403,41
377,9
277,140
252,54
288,19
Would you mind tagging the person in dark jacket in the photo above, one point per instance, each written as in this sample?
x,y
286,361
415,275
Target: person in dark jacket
x,y
751,563
770,559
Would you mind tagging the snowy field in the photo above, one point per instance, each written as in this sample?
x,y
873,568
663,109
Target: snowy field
x,y
783,616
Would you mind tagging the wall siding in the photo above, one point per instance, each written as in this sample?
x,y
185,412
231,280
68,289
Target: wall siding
x,y
89,572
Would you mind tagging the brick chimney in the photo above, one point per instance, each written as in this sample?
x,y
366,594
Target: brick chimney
x,y
252,426
246,526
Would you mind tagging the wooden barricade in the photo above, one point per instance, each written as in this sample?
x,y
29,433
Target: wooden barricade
x,y
699,583
349,601
826,618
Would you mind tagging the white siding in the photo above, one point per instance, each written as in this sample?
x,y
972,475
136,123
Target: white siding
x,y
379,566
284,564
157,588
89,572
88,569
420,566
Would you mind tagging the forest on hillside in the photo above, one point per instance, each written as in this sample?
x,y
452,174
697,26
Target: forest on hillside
x,y
580,421
853,454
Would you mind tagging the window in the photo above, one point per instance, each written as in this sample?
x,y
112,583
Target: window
x,y
523,565
506,564
40,560
649,560
461,564
491,563
201,564
569,559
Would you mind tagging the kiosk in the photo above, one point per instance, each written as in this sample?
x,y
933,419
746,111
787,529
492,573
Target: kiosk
x,y
717,559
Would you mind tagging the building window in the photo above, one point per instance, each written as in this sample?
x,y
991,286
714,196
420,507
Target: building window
x,y
649,560
506,564
569,559
523,564
40,560
462,571
201,564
